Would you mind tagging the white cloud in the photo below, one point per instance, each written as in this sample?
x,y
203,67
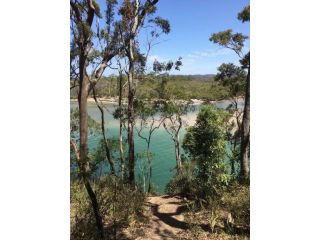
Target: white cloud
x,y
209,53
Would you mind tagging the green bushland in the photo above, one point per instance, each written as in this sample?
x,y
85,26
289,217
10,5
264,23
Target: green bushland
x,y
178,86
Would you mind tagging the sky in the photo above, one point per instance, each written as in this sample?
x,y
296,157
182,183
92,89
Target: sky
x,y
192,22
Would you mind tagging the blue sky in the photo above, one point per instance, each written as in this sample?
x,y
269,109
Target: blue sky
x,y
192,23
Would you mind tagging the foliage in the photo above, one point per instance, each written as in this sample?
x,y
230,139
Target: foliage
x,y
228,216
159,67
98,159
205,142
181,87
245,61
244,15
228,39
206,173
236,199
232,77
143,178
183,183
145,109
82,221
204,177
162,69
235,42
162,23
93,129
93,126
119,203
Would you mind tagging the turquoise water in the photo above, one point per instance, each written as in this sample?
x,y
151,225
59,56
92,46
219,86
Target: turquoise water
x,y
162,145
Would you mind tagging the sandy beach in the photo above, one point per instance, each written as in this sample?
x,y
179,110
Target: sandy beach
x,y
115,100
103,100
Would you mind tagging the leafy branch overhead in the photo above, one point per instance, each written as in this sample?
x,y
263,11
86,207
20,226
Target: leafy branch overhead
x,y
228,39
244,15
159,67
162,23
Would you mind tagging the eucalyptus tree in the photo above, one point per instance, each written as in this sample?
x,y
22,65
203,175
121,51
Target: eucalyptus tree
x,y
150,121
92,49
134,14
109,46
244,16
162,70
121,85
235,42
82,16
172,112
233,78
172,109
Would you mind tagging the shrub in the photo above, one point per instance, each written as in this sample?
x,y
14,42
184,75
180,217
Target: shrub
x,y
183,183
82,221
205,142
237,201
119,204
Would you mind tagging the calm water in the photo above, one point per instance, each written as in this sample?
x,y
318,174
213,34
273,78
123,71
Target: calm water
x,y
162,145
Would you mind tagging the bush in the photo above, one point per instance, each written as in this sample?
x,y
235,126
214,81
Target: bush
x,y
237,201
82,221
119,204
205,143
183,183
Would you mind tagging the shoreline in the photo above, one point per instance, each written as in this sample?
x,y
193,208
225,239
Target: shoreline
x,y
103,100
115,100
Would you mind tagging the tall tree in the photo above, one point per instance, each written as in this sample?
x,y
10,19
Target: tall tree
x,y
121,85
235,42
244,16
234,79
133,15
108,42
82,15
172,110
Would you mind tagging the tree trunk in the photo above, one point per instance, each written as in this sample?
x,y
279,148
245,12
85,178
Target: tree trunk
x,y
84,41
177,150
92,196
106,145
150,166
84,164
95,207
105,140
131,92
120,128
233,159
130,114
245,134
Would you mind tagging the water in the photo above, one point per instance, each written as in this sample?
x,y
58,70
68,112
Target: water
x,y
162,146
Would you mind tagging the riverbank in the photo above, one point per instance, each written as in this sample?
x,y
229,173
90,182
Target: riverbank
x,y
189,119
103,100
116,99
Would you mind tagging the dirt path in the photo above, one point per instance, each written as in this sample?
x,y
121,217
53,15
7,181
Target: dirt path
x,y
167,220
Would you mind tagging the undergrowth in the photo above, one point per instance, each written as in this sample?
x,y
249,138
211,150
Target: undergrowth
x,y
120,204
